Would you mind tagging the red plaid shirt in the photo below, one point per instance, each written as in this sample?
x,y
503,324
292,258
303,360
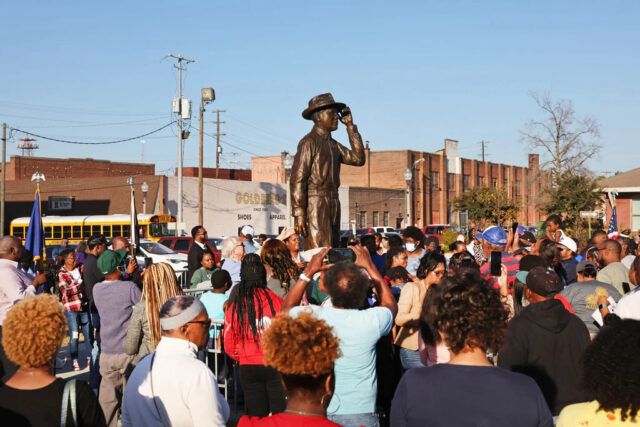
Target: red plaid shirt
x,y
70,290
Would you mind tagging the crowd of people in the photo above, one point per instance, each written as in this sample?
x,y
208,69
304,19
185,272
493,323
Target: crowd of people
x,y
507,328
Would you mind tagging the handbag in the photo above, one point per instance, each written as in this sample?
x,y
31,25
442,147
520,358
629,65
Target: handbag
x,y
68,397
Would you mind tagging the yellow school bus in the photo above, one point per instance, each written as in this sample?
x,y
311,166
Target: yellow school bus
x,y
79,228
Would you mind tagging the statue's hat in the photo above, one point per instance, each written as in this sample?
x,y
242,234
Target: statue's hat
x,y
320,102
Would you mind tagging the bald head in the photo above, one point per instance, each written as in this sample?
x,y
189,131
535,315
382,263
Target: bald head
x,y
119,243
610,251
10,248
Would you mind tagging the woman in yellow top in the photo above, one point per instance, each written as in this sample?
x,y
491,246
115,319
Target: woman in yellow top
x,y
430,271
610,373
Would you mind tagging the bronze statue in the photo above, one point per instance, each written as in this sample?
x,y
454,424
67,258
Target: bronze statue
x,y
315,176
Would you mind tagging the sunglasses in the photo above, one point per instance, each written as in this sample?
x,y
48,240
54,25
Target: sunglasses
x,y
202,322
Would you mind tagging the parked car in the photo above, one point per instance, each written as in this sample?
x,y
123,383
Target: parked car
x,y
384,229
182,245
435,230
161,253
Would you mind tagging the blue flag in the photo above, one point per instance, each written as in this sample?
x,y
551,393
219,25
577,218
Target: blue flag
x,y
612,232
35,235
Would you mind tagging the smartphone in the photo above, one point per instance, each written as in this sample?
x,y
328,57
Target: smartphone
x,y
148,261
496,264
625,287
344,112
340,254
514,227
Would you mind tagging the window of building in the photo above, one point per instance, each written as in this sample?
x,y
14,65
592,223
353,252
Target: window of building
x,y
517,188
451,182
434,180
375,218
385,219
505,182
466,182
494,182
362,220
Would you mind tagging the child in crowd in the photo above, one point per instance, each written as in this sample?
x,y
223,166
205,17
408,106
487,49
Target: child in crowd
x,y
215,301
554,232
398,276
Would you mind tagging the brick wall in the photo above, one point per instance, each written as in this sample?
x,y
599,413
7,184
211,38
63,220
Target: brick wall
x,y
20,167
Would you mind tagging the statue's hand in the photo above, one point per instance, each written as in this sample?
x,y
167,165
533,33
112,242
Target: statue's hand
x,y
301,225
347,119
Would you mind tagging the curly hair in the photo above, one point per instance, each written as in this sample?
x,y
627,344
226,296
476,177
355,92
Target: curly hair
x,y
470,313
414,233
304,345
33,330
276,255
610,369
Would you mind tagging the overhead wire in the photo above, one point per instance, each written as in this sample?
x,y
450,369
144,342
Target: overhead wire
x,y
91,143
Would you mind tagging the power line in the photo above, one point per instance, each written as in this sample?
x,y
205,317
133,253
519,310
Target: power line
x,y
93,143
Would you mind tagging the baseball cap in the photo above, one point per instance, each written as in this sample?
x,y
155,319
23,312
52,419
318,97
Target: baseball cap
x,y
247,230
543,281
97,239
582,265
495,235
568,242
526,264
109,260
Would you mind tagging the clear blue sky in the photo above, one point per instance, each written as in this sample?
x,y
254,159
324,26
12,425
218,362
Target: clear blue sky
x,y
414,73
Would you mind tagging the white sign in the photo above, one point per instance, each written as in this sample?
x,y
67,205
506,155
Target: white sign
x,y
589,214
60,203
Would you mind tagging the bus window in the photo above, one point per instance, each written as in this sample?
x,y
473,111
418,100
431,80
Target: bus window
x,y
66,231
48,232
95,230
117,230
126,231
142,231
57,232
86,231
76,232
159,230
106,230
18,232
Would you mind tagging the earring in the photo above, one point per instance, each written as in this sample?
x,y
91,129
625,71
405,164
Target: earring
x,y
322,400
338,407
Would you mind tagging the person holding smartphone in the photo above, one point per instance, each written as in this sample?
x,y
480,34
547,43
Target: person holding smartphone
x,y
494,242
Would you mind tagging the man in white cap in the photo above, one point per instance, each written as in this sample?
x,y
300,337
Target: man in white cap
x,y
246,236
171,386
568,249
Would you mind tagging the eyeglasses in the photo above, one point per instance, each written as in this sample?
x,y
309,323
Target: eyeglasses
x,y
202,322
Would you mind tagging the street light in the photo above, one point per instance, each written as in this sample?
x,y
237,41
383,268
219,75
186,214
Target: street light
x,y
208,96
145,190
408,175
287,162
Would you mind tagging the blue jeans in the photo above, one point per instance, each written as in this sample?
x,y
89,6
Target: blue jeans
x,y
410,358
77,320
355,420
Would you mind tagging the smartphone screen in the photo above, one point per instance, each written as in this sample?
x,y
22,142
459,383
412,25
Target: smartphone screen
x,y
496,264
514,227
340,254
148,261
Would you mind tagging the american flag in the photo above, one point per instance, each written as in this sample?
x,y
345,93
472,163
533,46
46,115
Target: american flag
x,y
612,232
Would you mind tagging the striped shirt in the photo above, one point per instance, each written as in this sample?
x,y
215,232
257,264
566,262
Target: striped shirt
x,y
512,264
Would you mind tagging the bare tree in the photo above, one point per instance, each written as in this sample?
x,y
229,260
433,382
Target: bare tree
x,y
566,142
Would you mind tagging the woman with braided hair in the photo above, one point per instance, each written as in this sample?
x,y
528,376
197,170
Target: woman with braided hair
x,y
251,308
143,333
282,271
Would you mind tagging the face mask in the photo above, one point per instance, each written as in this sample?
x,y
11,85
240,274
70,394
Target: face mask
x,y
410,246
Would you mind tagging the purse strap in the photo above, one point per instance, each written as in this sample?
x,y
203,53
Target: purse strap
x,y
68,396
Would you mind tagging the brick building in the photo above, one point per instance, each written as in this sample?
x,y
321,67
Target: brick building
x,y
22,167
233,174
437,179
87,186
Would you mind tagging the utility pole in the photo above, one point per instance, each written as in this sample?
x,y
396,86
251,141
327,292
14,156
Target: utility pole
x,y
4,176
218,135
180,59
483,143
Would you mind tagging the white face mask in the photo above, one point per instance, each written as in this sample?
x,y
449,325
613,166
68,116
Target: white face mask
x,y
410,246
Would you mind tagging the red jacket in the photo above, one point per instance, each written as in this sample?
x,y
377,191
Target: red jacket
x,y
243,348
